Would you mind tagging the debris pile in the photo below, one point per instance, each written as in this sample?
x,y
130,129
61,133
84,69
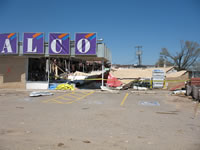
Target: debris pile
x,y
39,93
65,86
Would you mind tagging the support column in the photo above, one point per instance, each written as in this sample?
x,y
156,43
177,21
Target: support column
x,y
69,63
48,69
102,72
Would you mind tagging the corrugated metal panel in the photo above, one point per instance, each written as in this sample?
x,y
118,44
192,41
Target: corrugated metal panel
x,y
188,90
195,92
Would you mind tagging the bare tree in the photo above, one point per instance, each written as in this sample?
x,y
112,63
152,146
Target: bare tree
x,y
188,55
163,62
196,66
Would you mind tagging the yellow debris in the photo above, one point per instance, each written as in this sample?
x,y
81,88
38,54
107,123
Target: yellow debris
x,y
65,86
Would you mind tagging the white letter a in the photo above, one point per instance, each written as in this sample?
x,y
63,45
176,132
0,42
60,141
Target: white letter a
x,y
7,46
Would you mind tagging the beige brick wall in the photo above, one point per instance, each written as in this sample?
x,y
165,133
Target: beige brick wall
x,y
13,72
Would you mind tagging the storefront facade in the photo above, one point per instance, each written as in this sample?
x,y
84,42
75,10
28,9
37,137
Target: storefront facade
x,y
30,64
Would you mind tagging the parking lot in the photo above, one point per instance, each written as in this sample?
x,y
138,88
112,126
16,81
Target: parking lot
x,y
96,120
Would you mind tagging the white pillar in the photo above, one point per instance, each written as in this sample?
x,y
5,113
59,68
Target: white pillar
x,y
102,72
48,68
69,63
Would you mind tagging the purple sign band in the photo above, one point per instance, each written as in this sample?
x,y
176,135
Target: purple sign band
x,y
33,43
8,43
59,44
85,44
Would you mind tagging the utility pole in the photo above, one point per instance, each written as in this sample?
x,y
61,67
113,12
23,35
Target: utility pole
x,y
139,54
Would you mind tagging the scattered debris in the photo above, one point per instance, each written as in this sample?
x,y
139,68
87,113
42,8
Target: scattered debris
x,y
20,107
144,92
140,88
170,113
80,78
38,93
104,88
179,92
179,86
145,103
60,144
65,86
113,82
127,85
86,141
52,86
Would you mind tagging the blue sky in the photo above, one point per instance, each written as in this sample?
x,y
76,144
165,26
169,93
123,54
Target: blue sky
x,y
154,24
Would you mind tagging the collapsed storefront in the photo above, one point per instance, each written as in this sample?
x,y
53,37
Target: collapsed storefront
x,y
38,70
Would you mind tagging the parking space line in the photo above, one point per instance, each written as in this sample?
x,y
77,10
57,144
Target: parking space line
x,y
82,97
54,98
55,101
79,94
124,99
64,97
84,92
72,96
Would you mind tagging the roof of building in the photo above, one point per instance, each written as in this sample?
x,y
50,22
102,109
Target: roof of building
x,y
142,73
176,74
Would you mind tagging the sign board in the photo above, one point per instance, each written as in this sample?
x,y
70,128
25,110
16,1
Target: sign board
x,y
107,69
85,44
33,43
59,44
8,43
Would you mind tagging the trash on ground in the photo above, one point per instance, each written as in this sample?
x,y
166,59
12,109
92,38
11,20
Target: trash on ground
x,y
86,141
65,86
60,144
170,113
144,92
20,107
145,103
113,82
104,88
127,85
38,93
85,108
179,92
52,86
140,88
179,86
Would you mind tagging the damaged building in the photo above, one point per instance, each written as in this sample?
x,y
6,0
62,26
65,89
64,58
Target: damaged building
x,y
35,64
